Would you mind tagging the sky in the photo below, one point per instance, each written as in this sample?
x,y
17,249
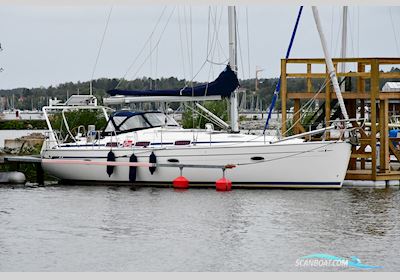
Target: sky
x,y
45,44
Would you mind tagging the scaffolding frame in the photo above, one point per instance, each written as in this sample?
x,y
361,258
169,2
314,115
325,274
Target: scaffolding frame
x,y
366,163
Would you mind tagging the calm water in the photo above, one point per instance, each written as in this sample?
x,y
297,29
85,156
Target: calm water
x,y
74,228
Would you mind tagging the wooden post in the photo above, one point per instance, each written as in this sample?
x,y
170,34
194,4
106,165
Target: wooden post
x,y
384,136
283,95
351,105
362,115
352,111
296,116
309,83
361,89
374,93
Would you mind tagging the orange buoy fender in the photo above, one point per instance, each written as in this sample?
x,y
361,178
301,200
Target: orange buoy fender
x,y
180,183
223,185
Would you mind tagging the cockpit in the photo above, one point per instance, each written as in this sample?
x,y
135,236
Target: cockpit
x,y
126,121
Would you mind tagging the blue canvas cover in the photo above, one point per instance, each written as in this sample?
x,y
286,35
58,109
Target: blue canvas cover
x,y
224,85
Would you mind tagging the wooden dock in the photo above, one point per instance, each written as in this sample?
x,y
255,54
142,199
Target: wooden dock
x,y
36,161
363,86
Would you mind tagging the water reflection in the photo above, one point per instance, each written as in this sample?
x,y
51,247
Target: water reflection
x,y
74,228
373,212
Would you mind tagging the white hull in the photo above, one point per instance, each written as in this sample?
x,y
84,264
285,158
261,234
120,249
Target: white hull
x,y
297,165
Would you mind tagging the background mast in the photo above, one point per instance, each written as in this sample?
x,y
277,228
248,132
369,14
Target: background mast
x,y
234,114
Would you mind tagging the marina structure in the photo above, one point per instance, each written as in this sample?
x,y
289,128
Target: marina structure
x,y
375,157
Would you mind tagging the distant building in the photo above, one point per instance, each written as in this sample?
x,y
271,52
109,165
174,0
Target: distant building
x,y
394,105
391,86
21,115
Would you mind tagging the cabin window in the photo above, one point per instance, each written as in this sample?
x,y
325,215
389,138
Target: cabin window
x,y
142,144
109,127
257,158
134,123
112,144
182,142
125,121
160,119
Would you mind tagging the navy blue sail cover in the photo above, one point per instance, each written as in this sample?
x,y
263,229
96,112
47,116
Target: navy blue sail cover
x,y
224,85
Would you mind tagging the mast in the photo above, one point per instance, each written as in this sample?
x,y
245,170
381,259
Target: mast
x,y
329,64
256,81
234,114
259,100
91,87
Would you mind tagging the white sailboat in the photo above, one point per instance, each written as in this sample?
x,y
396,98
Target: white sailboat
x,y
151,148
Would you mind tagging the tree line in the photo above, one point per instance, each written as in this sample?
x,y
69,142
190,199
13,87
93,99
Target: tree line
x,y
36,98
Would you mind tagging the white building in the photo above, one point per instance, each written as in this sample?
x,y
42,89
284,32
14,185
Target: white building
x,y
391,86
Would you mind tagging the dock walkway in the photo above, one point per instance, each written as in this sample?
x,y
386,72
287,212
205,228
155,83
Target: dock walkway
x,y
36,160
